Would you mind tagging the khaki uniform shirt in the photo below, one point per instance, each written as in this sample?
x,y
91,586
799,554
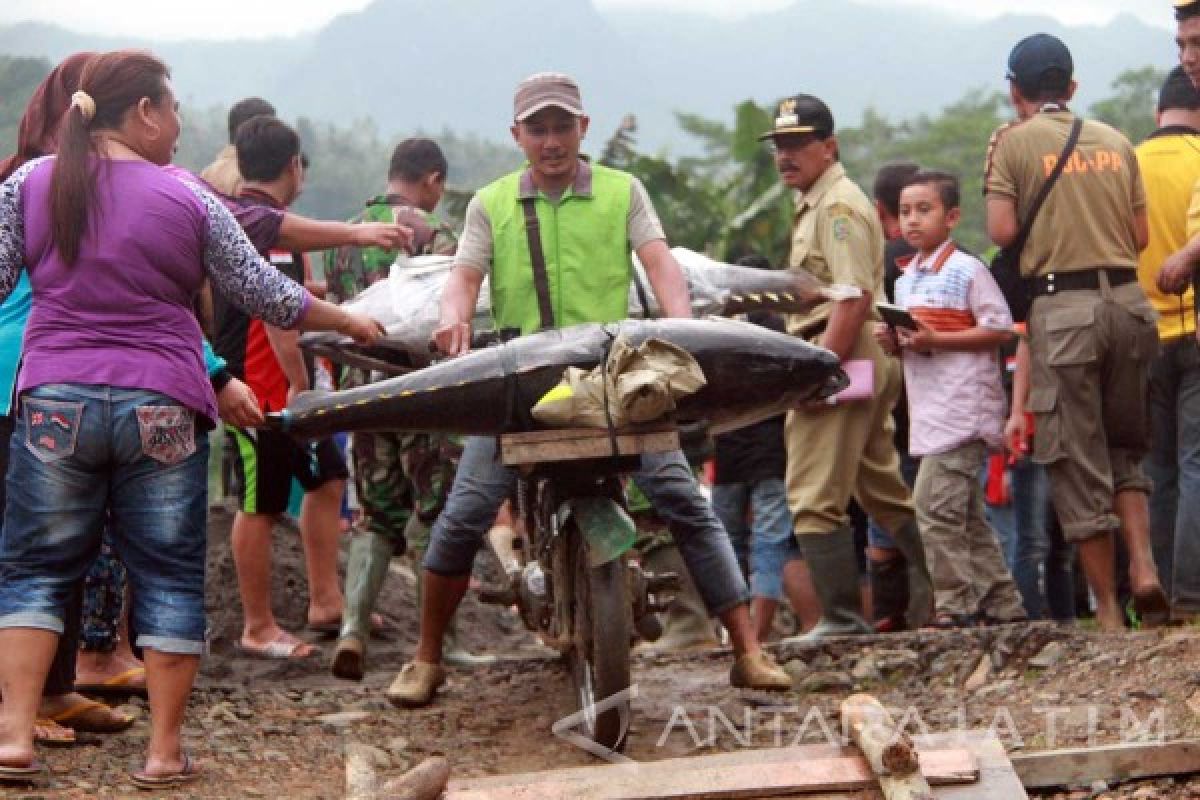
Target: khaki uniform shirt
x,y
1087,220
223,174
838,238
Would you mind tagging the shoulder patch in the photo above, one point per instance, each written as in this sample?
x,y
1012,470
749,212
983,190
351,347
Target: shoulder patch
x,y
841,228
839,214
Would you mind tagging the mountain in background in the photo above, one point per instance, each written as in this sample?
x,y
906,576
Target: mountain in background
x,y
411,65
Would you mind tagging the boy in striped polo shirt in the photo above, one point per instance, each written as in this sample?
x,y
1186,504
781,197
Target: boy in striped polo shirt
x,y
956,402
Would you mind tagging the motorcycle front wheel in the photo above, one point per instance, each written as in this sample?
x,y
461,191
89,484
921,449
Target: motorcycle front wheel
x,y
599,656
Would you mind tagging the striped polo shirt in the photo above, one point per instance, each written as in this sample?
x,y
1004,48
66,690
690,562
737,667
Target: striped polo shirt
x,y
953,397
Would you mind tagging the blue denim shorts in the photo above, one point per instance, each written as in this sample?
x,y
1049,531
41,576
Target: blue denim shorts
x,y
80,453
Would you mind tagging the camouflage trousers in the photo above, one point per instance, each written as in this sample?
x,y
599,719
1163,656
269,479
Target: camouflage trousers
x,y
402,481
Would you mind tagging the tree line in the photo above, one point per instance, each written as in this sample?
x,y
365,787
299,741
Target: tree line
x,y
723,198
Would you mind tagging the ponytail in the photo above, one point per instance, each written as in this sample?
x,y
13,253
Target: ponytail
x,y
111,84
73,185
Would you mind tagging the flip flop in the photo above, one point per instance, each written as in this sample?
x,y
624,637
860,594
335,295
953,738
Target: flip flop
x,y
189,773
50,733
278,650
130,682
90,716
20,775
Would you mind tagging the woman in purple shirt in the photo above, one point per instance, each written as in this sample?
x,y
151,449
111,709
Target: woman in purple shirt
x,y
114,398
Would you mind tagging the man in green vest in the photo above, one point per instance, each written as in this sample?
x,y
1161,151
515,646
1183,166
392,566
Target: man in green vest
x,y
589,218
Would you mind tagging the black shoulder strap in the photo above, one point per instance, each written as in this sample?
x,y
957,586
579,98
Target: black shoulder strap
x,y
540,280
1072,140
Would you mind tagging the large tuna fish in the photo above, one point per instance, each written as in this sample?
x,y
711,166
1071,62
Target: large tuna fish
x,y
407,305
751,373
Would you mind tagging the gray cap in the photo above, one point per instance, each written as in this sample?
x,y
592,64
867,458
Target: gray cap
x,y
543,90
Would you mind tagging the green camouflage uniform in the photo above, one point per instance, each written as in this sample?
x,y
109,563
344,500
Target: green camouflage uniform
x,y
401,479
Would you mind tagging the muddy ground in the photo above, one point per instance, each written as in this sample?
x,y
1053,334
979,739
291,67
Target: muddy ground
x,y
271,729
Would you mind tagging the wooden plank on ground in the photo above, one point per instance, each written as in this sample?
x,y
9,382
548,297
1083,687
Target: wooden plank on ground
x,y
1111,763
997,779
570,444
774,773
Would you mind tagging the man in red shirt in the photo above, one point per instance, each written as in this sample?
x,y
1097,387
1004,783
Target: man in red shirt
x,y
269,361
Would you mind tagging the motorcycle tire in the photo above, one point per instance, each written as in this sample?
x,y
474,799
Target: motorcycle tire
x,y
599,657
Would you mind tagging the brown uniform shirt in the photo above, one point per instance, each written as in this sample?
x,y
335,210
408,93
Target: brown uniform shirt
x,y
1087,220
837,237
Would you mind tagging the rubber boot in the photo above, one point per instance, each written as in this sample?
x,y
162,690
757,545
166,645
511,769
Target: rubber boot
x,y
453,653
366,570
889,593
834,568
686,624
920,582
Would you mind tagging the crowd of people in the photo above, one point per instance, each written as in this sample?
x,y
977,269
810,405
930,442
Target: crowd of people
x,y
1000,422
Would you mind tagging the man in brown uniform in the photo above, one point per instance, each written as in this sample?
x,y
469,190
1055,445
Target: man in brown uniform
x,y
1083,372
845,450
223,173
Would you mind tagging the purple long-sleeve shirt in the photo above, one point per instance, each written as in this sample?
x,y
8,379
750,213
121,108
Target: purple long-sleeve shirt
x,y
122,314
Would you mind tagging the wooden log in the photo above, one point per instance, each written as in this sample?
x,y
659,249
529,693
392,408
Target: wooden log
x,y
361,780
426,781
889,751
1113,764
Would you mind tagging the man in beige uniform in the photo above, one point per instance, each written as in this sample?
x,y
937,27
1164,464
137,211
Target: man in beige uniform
x,y
846,450
1083,372
223,173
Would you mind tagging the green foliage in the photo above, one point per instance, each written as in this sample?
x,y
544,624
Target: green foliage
x,y
725,199
954,141
1131,108
18,78
733,177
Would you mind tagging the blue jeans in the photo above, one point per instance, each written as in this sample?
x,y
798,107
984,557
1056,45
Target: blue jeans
x,y
1174,465
1038,556
80,455
768,544
482,484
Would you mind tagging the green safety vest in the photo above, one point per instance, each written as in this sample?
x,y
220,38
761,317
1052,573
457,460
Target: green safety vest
x,y
586,245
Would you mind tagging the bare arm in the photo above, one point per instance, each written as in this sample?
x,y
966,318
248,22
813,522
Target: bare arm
x,y
1002,225
1016,431
303,234
1141,229
459,295
262,291
1176,273
971,340
666,278
285,345
237,405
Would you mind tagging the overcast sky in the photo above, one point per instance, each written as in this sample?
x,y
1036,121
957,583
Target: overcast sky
x,y
220,19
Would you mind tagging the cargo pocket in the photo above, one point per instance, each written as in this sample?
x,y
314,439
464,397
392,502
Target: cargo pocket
x,y
51,427
1071,337
1047,430
168,433
1144,338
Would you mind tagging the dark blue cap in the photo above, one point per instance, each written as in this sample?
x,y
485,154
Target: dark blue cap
x,y
1040,62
